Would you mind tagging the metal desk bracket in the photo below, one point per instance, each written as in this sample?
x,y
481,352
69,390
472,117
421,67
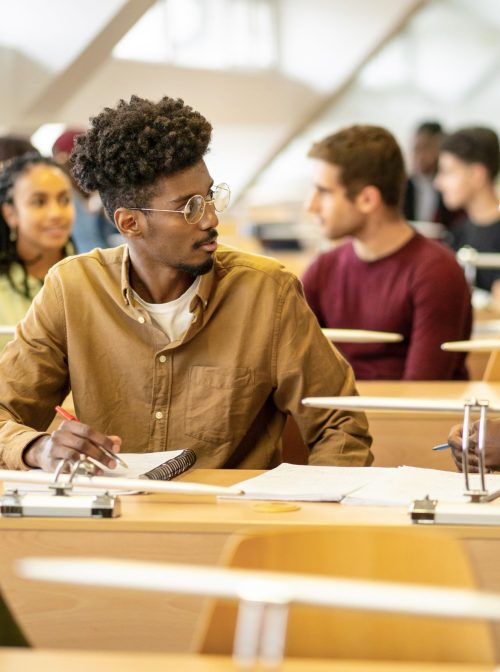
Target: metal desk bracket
x,y
62,502
432,511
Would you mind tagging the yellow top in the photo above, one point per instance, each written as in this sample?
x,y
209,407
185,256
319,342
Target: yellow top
x,y
17,291
14,303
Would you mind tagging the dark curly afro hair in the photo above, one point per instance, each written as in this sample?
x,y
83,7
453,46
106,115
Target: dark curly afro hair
x,y
128,148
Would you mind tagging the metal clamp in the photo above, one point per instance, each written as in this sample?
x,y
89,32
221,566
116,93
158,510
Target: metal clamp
x,y
82,466
62,501
476,494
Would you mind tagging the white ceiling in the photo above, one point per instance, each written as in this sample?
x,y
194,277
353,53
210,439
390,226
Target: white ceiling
x,y
271,75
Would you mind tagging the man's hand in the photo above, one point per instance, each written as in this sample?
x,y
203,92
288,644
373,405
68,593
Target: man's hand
x,y
491,448
70,440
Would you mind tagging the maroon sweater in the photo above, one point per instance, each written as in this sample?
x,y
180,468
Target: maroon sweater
x,y
418,291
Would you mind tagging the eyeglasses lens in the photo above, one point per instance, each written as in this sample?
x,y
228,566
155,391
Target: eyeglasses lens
x,y
195,207
221,197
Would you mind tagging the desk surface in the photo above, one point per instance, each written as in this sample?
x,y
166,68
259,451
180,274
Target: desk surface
x,y
83,661
169,529
157,513
171,513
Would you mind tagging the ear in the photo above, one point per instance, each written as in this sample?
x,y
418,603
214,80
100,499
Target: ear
x,y
10,215
129,222
368,200
479,174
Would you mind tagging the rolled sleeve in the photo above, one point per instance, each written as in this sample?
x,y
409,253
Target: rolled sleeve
x,y
308,365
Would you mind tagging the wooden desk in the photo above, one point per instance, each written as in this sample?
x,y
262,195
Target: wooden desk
x,y
403,437
170,529
83,661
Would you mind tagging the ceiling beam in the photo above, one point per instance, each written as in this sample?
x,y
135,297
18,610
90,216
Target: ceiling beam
x,y
327,101
63,86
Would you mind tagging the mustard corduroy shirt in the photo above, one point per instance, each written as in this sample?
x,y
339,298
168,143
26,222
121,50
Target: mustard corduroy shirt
x,y
252,352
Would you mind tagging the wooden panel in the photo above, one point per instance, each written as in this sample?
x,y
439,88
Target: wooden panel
x,y
476,365
353,553
484,554
405,437
400,440
63,616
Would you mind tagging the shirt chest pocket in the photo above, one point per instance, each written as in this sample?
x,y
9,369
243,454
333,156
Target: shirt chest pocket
x,y
219,402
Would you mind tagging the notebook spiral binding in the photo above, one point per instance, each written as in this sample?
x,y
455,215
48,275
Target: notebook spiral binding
x,y
172,468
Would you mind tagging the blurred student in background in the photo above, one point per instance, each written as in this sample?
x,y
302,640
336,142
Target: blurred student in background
x,y
422,201
36,218
15,145
469,162
92,228
387,277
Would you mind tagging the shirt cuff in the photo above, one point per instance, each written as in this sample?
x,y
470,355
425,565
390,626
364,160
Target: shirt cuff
x,y
14,453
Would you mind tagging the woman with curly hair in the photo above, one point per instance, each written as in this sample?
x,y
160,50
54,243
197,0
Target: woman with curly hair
x,y
36,217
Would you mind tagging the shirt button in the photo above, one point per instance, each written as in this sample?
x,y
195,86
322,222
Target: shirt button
x,y
162,359
158,415
141,319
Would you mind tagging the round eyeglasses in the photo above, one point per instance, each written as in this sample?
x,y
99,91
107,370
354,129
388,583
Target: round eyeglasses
x,y
194,209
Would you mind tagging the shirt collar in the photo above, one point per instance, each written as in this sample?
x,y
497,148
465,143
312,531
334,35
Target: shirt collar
x,y
203,292
206,284
125,276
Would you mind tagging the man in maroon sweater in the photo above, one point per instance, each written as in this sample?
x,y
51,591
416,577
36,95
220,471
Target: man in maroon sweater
x,y
386,277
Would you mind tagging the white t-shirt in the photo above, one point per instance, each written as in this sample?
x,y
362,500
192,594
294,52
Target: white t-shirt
x,y
172,317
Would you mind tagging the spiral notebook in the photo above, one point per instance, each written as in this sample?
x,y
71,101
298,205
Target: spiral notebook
x,y
163,466
160,466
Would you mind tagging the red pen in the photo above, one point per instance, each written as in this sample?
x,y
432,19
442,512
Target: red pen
x,y
68,416
65,414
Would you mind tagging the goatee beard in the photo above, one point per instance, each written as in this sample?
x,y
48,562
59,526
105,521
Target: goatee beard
x,y
199,269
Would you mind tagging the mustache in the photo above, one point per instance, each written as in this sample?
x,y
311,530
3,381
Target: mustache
x,y
212,235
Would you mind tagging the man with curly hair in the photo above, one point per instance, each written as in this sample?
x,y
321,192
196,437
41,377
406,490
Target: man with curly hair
x,y
171,340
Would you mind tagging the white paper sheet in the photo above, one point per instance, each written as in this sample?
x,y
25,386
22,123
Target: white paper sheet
x,y
294,482
405,484
377,486
140,463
